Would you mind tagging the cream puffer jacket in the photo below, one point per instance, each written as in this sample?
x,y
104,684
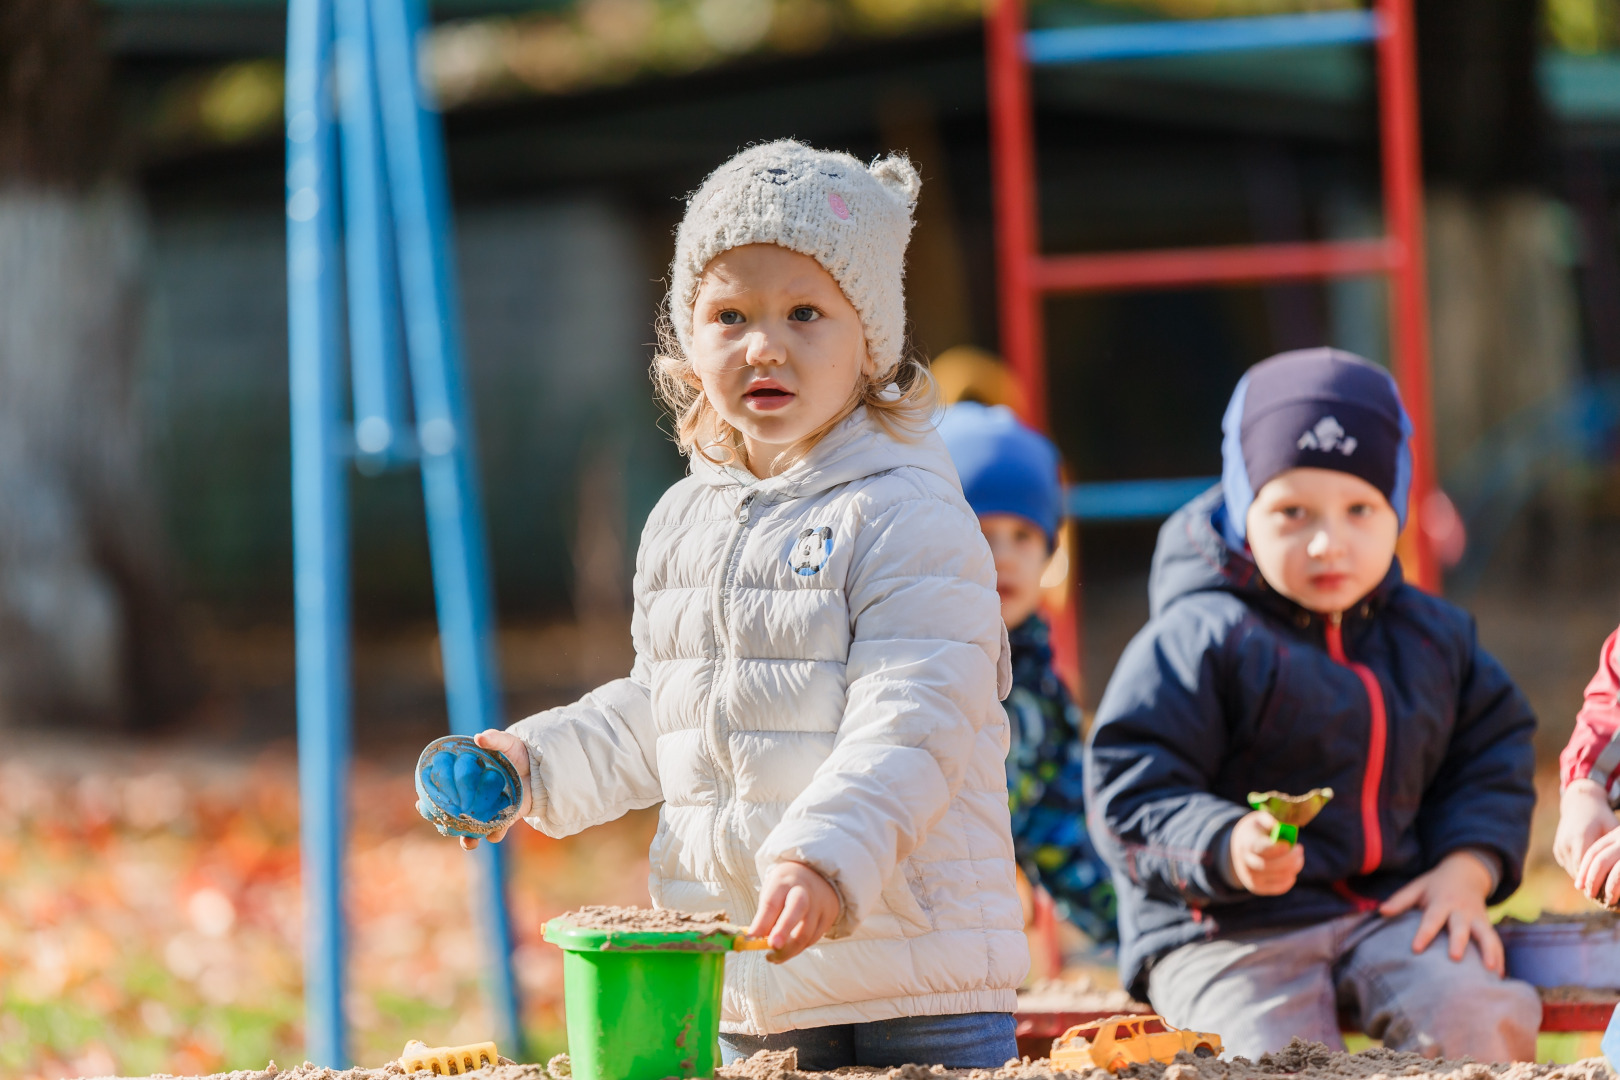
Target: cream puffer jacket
x,y
819,663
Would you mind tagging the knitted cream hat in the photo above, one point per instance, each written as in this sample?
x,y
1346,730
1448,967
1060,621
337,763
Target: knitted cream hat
x,y
853,220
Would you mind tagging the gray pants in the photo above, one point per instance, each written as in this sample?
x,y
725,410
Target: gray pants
x,y
1258,990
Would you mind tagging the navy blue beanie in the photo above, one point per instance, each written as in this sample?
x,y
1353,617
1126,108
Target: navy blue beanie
x,y
1319,409
1005,467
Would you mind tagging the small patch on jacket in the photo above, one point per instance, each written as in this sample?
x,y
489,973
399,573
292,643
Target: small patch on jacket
x,y
811,551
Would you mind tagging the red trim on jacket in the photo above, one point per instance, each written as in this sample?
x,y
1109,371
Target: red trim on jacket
x,y
1372,849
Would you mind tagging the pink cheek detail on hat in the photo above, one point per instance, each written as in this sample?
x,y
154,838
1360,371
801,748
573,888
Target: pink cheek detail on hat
x,y
836,201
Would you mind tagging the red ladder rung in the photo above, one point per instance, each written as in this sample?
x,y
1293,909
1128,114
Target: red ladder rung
x,y
1165,268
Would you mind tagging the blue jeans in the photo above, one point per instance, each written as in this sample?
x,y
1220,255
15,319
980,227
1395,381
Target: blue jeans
x,y
961,1041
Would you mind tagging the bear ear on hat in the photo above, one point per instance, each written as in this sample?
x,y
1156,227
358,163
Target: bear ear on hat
x,y
899,175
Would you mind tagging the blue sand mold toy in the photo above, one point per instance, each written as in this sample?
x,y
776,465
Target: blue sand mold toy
x,y
465,790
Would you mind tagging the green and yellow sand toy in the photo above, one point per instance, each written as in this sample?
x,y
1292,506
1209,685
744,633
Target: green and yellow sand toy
x,y
641,990
1293,812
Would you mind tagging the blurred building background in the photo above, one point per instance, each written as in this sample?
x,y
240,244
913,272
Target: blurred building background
x,y
574,131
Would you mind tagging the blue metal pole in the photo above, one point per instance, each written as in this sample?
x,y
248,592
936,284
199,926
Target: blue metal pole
x,y
320,525
379,395
420,188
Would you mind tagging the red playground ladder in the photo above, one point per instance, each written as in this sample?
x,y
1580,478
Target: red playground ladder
x,y
1027,277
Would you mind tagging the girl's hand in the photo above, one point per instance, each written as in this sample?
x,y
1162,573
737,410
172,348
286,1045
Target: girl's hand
x,y
514,750
1452,896
1264,866
1583,817
1598,875
796,906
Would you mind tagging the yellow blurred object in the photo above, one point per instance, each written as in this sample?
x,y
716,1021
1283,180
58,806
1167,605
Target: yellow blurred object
x,y
448,1060
1119,1041
744,943
967,373
1293,812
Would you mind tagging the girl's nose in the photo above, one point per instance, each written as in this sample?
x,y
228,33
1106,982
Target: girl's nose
x,y
763,349
1321,545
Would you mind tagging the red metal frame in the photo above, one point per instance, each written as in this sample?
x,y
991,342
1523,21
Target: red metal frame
x,y
1026,276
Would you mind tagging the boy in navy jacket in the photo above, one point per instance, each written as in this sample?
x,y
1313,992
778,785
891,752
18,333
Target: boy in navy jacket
x,y
1286,653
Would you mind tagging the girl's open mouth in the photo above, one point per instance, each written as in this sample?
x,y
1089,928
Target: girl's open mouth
x,y
768,396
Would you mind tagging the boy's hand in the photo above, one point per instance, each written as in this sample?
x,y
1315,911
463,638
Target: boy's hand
x,y
796,906
514,750
1264,866
1583,817
1452,896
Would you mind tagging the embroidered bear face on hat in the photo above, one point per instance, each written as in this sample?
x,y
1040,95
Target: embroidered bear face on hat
x,y
853,219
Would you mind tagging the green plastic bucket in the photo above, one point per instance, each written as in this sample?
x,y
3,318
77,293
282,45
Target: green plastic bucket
x,y
641,1005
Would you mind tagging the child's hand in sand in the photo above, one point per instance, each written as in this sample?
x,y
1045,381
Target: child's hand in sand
x,y
796,906
1584,821
1452,897
1264,866
514,750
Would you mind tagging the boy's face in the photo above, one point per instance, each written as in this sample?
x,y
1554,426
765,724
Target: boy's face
x,y
777,346
1019,548
1322,538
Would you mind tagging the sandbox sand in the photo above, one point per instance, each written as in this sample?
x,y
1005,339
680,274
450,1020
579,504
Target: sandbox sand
x,y
1299,1061
660,920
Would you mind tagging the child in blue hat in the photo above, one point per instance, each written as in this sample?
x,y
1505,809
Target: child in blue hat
x,y
1010,477
1285,653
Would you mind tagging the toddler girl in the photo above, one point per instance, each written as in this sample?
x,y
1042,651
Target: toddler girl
x,y
819,646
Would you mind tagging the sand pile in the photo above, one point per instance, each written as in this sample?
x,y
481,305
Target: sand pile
x,y
649,920
1299,1061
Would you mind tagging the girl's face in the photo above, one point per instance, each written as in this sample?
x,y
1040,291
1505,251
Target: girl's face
x,y
777,346
1322,538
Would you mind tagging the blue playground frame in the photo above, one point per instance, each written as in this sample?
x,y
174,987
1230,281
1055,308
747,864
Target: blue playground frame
x,y
395,226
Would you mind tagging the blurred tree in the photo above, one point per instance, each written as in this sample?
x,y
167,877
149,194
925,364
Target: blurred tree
x,y
1502,290
87,622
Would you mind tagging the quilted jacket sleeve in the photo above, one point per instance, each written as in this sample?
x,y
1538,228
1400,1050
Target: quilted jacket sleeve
x,y
1484,793
923,681
594,760
1159,734
1597,727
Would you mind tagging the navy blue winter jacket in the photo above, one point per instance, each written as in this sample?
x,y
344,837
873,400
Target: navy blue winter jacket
x,y
1231,688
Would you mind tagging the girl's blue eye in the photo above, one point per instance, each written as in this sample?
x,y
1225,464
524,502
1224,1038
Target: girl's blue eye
x,y
731,318
804,314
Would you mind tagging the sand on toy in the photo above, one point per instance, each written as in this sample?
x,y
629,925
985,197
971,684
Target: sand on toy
x,y
648,920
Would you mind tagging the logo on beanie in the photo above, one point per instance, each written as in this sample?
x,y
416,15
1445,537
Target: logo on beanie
x,y
1328,436
811,551
839,207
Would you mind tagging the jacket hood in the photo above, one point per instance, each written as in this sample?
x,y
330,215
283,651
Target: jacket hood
x,y
1192,555
857,448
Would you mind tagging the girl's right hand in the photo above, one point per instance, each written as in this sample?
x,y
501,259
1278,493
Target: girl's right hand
x,y
517,752
1264,866
1584,816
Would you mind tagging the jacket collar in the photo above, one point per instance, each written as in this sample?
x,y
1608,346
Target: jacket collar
x,y
857,448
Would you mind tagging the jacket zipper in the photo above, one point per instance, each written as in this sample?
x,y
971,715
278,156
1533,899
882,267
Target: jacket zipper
x,y
718,746
1377,743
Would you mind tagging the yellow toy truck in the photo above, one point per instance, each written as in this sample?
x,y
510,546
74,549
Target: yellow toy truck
x,y
1119,1041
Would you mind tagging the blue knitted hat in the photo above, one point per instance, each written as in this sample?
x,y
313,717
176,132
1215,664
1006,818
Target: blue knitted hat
x,y
1005,467
1313,408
